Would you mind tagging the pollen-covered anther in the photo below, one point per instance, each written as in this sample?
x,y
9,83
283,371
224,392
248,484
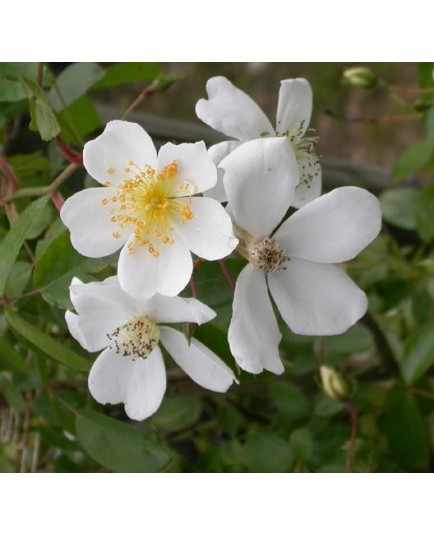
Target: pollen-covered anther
x,y
136,338
267,255
149,202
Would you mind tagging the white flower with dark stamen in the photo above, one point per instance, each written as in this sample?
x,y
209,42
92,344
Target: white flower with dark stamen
x,y
232,112
148,208
294,260
130,369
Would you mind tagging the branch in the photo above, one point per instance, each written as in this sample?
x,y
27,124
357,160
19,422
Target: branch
x,y
44,190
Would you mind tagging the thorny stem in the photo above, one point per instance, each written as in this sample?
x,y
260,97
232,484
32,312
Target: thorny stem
x,y
72,156
43,190
144,94
354,421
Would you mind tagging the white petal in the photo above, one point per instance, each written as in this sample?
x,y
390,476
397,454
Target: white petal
x,y
217,152
221,150
260,179
209,234
87,341
316,299
89,221
202,365
89,298
294,106
309,186
332,228
107,156
139,383
254,335
195,167
231,111
142,275
102,307
174,309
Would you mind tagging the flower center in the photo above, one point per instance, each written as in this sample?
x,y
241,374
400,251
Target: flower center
x,y
150,202
136,338
267,255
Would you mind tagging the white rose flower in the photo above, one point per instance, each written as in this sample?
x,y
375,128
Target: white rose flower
x,y
148,208
293,261
130,368
232,112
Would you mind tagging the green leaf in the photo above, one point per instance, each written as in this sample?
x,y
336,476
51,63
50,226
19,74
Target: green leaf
x,y
11,244
425,215
414,158
178,413
46,344
84,116
406,432
74,82
27,165
117,446
211,284
356,340
12,356
12,110
27,70
421,303
325,406
56,267
216,339
425,74
418,354
11,91
12,395
289,400
5,467
429,123
400,207
41,221
127,72
43,118
18,279
301,444
230,419
265,452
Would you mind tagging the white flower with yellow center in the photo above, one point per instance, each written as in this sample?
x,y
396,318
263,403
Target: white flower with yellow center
x,y
148,207
130,369
232,112
293,260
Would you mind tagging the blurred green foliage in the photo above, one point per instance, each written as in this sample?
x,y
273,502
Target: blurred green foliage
x,y
48,421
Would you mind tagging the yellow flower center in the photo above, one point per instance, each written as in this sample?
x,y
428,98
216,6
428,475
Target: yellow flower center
x,y
149,203
136,338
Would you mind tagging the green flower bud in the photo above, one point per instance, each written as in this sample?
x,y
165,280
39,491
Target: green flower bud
x,y
333,384
360,77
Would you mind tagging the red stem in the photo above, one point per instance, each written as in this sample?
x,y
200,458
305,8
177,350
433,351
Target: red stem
x,y
57,199
226,273
72,156
193,288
